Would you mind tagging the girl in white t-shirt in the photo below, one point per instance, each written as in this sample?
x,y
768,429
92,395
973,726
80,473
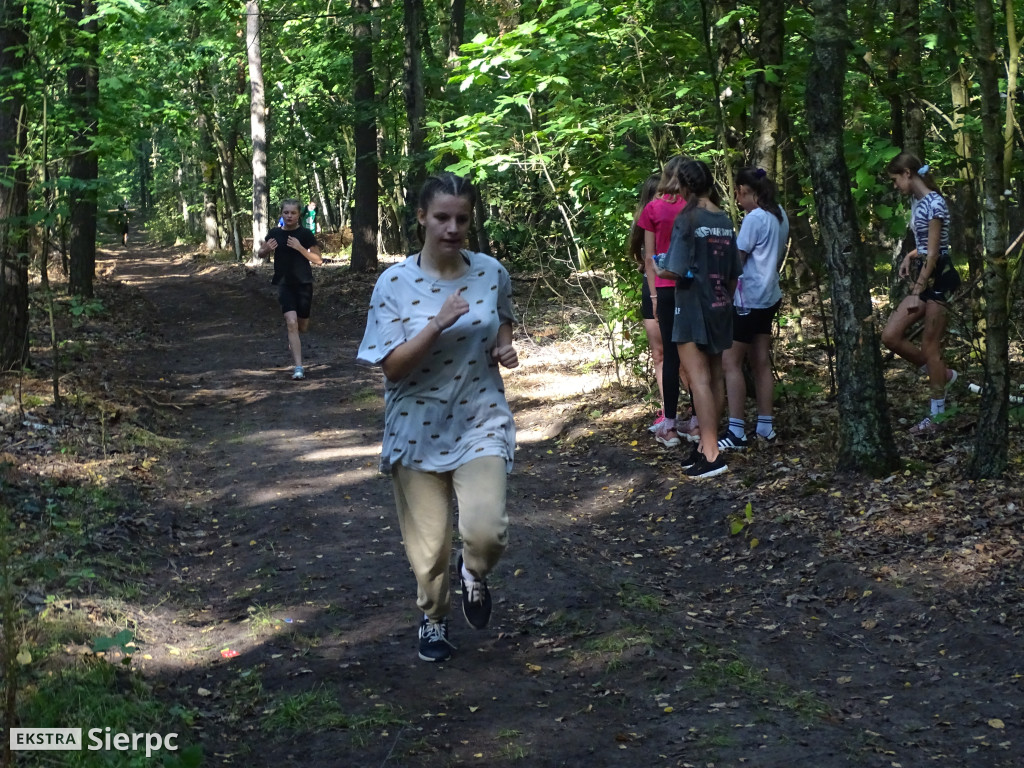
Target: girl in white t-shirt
x,y
762,244
439,325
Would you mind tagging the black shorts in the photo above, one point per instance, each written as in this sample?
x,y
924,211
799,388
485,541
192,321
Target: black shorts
x,y
296,297
756,322
943,284
646,305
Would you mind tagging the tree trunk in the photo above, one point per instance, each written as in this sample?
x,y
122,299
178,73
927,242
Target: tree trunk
x,y
456,27
908,36
767,87
83,165
991,435
365,215
1012,69
865,436
14,194
258,127
415,110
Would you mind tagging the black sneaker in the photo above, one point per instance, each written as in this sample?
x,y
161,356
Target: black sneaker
x,y
693,458
434,645
768,439
476,600
704,469
730,442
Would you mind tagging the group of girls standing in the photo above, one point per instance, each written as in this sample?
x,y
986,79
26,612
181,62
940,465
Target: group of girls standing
x,y
711,297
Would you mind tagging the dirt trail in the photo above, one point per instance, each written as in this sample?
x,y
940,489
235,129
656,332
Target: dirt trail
x,y
629,628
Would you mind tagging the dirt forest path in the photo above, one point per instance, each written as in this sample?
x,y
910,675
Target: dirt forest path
x,y
629,628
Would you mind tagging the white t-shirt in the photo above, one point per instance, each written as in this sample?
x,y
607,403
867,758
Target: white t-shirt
x,y
764,239
452,408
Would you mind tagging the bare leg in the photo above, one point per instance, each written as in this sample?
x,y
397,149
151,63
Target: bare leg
x,y
764,382
704,373
735,385
894,334
931,347
291,322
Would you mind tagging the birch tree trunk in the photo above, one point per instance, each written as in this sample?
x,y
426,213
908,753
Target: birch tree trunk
x,y
865,435
258,126
991,435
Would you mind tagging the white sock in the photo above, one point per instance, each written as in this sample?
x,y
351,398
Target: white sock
x,y
466,575
938,406
738,428
765,425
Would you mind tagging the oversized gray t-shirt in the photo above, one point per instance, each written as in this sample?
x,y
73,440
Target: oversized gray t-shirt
x,y
705,244
452,408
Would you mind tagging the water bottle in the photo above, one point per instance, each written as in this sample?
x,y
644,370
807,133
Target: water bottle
x,y
741,307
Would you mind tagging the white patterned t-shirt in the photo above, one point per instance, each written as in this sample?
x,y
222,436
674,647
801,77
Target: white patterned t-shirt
x,y
452,407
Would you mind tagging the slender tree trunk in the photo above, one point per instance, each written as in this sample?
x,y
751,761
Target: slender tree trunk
x,y
415,110
908,33
83,165
456,27
990,453
14,194
258,127
865,436
768,86
1012,69
365,215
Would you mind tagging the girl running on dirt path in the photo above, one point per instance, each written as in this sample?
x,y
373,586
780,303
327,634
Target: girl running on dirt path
x,y
636,250
295,250
439,325
704,262
657,219
933,279
762,244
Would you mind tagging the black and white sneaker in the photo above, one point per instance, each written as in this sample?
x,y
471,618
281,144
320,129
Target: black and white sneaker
x,y
434,645
767,439
476,600
704,469
693,458
730,442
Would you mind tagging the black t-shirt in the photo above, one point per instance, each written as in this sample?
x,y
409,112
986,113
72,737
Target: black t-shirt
x,y
290,266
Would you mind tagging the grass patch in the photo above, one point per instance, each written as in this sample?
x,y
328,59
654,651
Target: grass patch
x,y
134,437
95,694
721,671
631,597
319,710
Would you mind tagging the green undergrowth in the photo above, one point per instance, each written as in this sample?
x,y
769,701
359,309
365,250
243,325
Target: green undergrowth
x,y
95,695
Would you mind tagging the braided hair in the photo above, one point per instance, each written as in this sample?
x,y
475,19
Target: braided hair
x,y
763,188
445,183
696,178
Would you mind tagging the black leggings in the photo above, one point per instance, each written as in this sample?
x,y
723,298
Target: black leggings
x,y
670,368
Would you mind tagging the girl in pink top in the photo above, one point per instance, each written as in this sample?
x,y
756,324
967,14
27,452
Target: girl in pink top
x,y
657,219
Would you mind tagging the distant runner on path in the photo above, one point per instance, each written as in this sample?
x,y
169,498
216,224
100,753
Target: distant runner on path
x,y
440,324
295,250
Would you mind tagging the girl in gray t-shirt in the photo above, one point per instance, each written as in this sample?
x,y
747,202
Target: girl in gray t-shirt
x,y
703,260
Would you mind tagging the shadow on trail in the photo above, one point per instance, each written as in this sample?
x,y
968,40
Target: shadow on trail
x,y
628,625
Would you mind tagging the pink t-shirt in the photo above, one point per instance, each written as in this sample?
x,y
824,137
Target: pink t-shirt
x,y
658,216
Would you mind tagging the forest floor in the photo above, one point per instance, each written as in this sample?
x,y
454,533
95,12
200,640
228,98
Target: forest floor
x,y
778,615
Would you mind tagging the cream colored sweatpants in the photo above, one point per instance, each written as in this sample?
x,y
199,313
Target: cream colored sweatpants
x,y
424,501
